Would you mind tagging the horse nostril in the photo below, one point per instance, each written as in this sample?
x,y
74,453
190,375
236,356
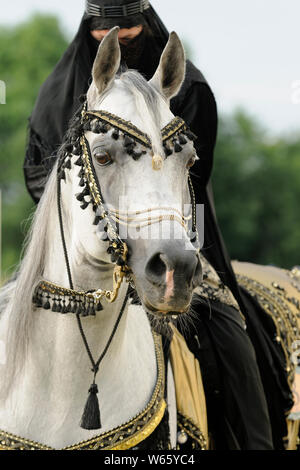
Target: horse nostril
x,y
156,268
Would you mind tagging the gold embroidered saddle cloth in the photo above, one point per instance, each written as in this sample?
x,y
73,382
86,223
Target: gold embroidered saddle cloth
x,y
278,292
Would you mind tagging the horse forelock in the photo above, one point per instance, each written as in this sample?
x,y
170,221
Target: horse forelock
x,y
150,106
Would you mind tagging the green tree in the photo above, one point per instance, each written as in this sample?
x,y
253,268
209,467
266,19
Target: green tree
x,y
28,54
256,182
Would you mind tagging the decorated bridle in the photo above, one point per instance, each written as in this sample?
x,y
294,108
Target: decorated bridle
x,y
83,303
136,143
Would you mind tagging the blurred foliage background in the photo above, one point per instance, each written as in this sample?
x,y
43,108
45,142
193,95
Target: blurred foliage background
x,y
256,177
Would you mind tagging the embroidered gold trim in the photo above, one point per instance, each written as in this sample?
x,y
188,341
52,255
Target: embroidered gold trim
x,y
213,289
123,437
89,174
177,124
174,126
125,126
275,301
186,425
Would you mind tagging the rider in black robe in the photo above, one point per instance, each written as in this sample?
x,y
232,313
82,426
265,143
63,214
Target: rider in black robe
x,y
237,409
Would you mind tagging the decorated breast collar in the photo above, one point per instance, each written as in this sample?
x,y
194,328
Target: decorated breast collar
x,y
123,437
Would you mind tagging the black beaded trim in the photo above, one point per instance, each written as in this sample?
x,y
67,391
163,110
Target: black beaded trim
x,y
174,126
187,426
125,126
51,297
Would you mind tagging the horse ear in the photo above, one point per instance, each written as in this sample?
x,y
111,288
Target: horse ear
x,y
107,60
170,73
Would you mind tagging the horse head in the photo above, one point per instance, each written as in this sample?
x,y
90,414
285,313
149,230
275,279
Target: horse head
x,y
139,157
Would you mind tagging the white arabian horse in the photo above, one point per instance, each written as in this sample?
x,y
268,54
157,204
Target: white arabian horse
x,y
134,156
44,368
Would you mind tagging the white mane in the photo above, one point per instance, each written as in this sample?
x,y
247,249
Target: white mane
x,y
16,296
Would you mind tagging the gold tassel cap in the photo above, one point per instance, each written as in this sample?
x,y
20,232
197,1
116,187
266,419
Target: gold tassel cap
x,y
157,162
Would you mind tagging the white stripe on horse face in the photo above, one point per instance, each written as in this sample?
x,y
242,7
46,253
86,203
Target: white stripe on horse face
x,y
169,285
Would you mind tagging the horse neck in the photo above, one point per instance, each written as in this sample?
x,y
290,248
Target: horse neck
x,y
47,400
87,272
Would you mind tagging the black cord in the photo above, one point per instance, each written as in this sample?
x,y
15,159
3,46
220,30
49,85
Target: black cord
x,y
62,231
97,364
94,364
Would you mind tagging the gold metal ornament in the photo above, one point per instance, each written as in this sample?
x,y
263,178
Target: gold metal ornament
x,y
157,162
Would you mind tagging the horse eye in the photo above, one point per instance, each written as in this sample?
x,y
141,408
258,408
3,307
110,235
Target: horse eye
x,y
103,158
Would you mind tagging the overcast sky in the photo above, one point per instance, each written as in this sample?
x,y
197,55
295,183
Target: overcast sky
x,y
247,49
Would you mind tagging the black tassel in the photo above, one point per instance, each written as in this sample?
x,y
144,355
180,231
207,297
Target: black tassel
x,y
128,141
64,308
69,148
86,191
130,150
68,308
85,311
74,308
82,182
68,164
99,307
136,155
62,175
84,204
95,127
177,147
76,150
104,128
79,197
91,414
79,162
98,219
168,150
115,134
190,135
182,139
47,305
92,311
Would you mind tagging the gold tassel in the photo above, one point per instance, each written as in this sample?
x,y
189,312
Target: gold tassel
x,y
157,162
